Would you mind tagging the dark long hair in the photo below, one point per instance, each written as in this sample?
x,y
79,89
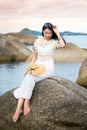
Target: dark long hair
x,y
50,27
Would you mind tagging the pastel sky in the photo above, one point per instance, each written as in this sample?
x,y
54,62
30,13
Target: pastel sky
x,y
70,15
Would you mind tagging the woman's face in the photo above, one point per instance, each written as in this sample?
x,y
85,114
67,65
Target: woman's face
x,y
47,34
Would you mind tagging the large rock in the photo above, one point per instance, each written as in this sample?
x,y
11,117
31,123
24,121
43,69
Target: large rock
x,y
71,53
23,38
82,76
11,49
56,104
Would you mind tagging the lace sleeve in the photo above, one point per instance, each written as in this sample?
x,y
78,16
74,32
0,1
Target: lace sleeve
x,y
35,46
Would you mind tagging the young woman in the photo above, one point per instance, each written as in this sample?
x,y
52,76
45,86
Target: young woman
x,y
43,54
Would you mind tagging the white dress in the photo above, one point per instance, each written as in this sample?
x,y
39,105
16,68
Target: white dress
x,y
45,50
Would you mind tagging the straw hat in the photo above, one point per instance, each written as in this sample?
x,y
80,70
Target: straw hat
x,y
35,70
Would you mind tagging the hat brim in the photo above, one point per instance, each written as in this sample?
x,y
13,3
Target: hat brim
x,y
36,70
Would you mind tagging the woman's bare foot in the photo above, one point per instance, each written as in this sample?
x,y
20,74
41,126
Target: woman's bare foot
x,y
16,115
26,107
18,109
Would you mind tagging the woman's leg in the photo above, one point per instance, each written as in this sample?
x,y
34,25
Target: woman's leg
x,y
26,107
18,109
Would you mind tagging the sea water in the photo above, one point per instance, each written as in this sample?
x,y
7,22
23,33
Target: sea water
x,y
80,41
12,74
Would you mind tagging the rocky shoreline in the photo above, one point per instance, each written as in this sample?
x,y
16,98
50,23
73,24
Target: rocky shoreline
x,y
57,103
13,48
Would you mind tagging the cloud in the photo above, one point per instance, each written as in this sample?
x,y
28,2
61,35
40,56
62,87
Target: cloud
x,y
20,13
46,7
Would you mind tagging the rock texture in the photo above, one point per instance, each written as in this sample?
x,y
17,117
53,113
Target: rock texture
x,y
23,38
71,52
82,76
11,49
56,104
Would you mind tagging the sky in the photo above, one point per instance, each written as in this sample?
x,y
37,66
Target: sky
x,y
68,15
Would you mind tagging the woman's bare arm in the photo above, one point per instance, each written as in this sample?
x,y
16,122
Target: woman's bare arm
x,y
60,39
34,57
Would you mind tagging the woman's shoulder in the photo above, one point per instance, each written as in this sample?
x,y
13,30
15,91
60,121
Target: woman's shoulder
x,y
38,40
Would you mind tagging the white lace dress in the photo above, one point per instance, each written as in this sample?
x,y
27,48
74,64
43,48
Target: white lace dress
x,y
45,50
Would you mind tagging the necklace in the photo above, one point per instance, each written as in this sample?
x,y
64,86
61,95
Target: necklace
x,y
44,42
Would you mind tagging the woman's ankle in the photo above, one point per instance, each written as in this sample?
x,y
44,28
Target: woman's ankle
x,y
26,107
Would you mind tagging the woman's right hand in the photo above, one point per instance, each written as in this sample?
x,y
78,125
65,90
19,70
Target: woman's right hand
x,y
55,29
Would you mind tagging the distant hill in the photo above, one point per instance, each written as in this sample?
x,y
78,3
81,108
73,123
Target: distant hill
x,y
28,31
65,33
68,33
